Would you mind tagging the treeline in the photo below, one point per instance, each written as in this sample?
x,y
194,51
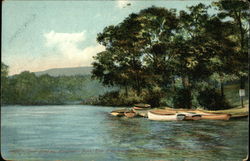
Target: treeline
x,y
159,54
28,89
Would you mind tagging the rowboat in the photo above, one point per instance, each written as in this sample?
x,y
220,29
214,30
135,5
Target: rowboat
x,y
215,116
130,114
143,105
191,116
141,112
162,111
165,117
138,108
119,112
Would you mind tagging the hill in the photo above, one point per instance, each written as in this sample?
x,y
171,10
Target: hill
x,y
66,71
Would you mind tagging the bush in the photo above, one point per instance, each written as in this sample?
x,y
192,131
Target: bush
x,y
182,98
117,98
153,97
212,100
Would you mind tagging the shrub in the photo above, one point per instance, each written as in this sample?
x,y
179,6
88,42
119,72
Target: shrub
x,y
212,100
153,97
117,98
182,98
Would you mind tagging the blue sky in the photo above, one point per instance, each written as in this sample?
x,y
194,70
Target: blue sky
x,y
39,35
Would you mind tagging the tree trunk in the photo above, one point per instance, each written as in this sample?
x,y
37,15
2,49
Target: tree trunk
x,y
126,90
185,82
186,85
174,88
138,87
222,88
238,17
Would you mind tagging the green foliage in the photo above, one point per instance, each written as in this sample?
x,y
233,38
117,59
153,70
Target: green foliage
x,y
153,97
182,98
4,81
156,46
212,100
27,88
118,98
4,70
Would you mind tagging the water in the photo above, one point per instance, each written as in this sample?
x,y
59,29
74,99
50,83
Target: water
x,y
77,132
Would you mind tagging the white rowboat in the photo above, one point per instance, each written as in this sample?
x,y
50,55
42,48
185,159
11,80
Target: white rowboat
x,y
165,117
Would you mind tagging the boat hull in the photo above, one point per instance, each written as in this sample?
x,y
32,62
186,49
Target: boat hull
x,y
194,117
191,116
143,113
129,114
119,114
165,117
216,116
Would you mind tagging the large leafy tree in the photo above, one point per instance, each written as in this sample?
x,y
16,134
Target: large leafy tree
x,y
159,28
237,13
202,47
136,49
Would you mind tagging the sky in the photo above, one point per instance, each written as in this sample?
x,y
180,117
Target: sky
x,y
39,35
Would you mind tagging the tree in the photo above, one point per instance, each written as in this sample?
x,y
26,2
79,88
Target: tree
x,y
237,13
136,50
159,28
202,47
121,60
4,82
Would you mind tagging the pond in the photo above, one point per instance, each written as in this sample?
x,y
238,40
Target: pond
x,y
82,132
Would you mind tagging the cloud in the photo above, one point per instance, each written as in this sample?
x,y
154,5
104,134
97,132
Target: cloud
x,y
67,47
62,50
122,3
53,38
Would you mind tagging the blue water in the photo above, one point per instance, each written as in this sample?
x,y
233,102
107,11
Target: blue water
x,y
78,132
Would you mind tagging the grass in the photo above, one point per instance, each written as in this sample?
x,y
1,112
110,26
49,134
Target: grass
x,y
231,92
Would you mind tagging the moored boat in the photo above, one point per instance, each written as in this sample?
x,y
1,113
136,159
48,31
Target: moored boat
x,y
165,117
215,116
140,111
162,111
138,108
119,112
130,114
141,105
193,117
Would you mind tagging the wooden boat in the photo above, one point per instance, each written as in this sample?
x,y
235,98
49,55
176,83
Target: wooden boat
x,y
130,114
162,111
141,112
193,117
141,105
138,108
165,117
215,116
119,112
